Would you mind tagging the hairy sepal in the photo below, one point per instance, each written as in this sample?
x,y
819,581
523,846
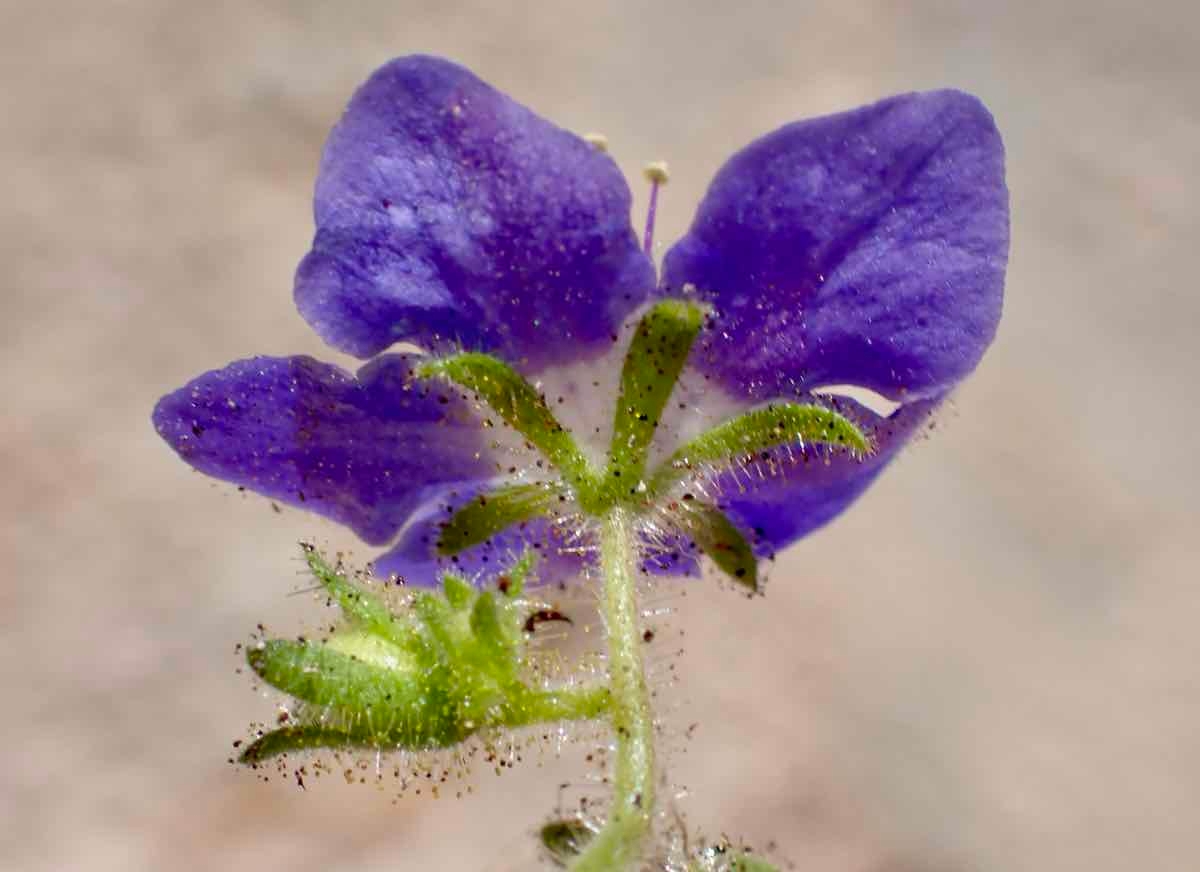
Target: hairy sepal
x,y
519,404
750,434
495,511
656,356
716,536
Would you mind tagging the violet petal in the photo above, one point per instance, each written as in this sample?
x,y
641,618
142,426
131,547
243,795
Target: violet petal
x,y
361,449
865,248
452,217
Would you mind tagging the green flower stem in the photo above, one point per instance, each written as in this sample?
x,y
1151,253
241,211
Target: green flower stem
x,y
618,844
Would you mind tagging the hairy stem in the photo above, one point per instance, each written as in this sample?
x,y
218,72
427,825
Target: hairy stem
x,y
566,704
618,845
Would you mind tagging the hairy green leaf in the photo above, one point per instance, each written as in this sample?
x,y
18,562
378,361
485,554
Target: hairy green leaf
x,y
360,607
565,839
322,675
299,738
444,669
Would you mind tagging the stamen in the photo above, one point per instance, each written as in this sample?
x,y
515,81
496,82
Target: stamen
x,y
597,141
656,175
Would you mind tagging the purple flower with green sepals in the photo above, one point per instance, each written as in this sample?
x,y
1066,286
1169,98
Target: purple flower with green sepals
x,y
866,249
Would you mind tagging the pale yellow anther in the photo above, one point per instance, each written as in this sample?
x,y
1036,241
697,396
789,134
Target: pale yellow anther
x,y
656,172
597,141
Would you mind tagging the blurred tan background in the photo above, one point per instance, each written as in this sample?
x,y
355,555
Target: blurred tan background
x,y
990,664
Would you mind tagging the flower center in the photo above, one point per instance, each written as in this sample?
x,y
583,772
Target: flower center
x,y
656,356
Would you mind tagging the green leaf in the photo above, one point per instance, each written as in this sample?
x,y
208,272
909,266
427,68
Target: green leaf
x,y
497,646
517,402
754,432
438,620
301,738
563,840
458,590
447,667
324,676
490,513
361,608
655,358
512,583
382,702
717,537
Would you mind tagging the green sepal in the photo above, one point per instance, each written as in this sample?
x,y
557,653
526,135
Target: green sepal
x,y
491,513
518,403
564,840
754,432
717,537
652,365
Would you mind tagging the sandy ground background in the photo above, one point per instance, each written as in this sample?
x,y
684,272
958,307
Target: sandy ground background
x,y
991,663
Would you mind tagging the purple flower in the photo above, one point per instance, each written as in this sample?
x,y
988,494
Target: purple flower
x,y
866,248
